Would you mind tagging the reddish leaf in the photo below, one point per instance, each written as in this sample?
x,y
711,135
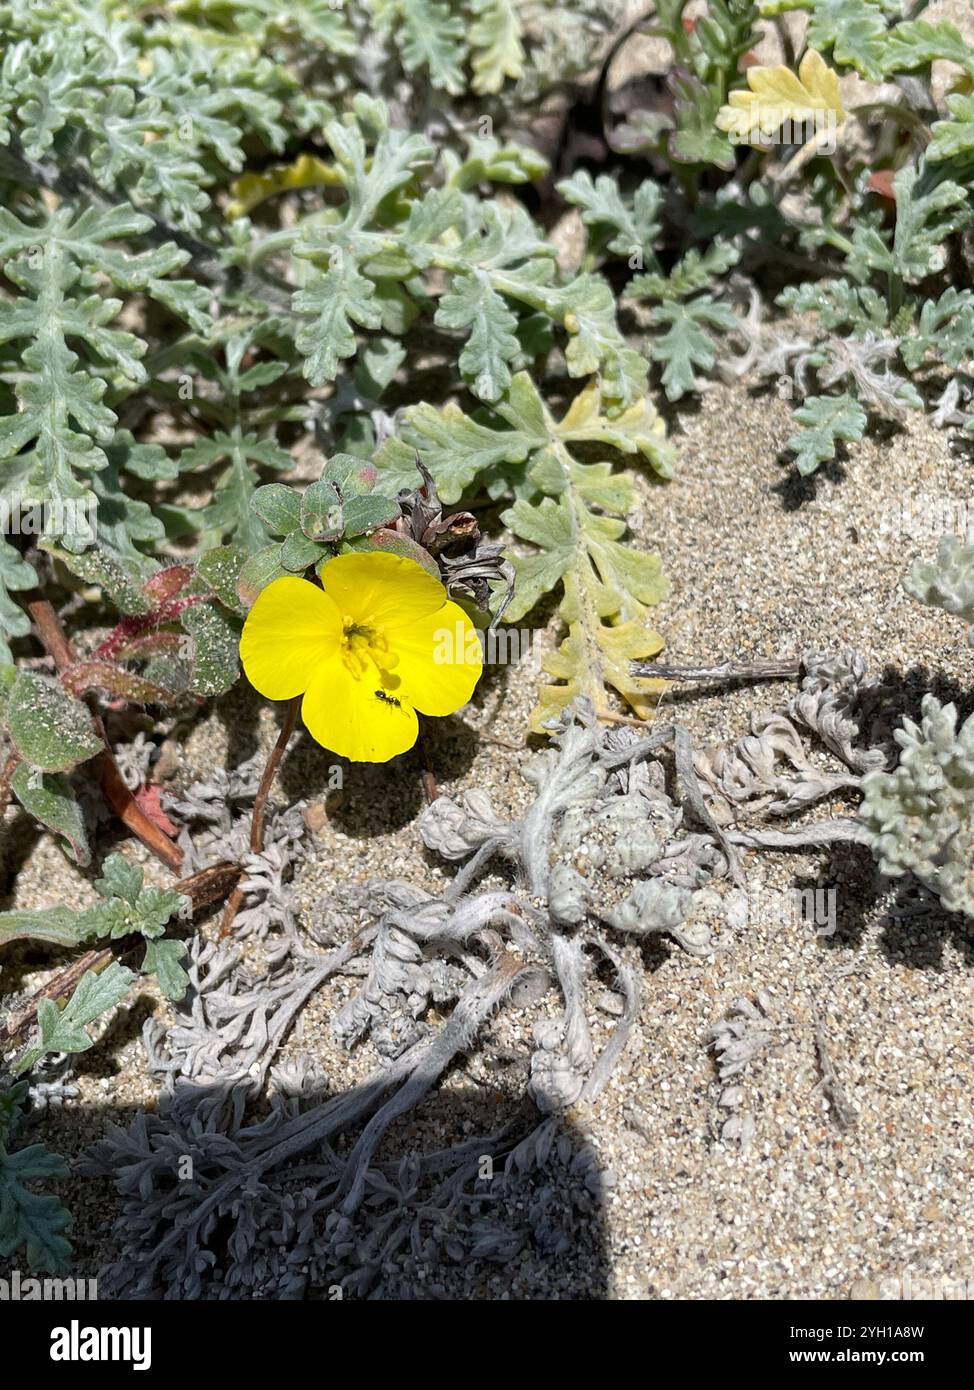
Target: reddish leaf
x,y
881,181
124,685
149,800
149,644
128,630
167,582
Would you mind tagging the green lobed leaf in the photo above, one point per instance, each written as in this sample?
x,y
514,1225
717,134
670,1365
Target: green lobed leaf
x,y
64,1030
954,139
856,34
163,959
914,43
687,345
495,38
48,798
30,1219
826,420
474,304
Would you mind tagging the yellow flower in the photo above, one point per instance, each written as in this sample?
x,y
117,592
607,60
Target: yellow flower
x,y
378,642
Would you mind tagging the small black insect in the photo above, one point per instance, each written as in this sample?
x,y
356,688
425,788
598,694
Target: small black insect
x,y
389,699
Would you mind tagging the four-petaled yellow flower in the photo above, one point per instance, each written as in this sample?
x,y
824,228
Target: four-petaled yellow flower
x,y
367,650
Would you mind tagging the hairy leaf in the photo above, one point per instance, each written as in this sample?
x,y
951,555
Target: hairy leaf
x,y
64,1030
56,925
826,420
687,345
50,728
48,798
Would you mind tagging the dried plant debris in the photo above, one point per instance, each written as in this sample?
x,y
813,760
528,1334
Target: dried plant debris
x,y
840,1107
770,769
248,1181
742,1037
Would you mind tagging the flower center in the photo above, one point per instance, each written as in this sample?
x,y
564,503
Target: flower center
x,y
364,646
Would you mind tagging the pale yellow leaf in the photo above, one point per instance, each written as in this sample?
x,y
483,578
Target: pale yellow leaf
x,y
809,99
305,172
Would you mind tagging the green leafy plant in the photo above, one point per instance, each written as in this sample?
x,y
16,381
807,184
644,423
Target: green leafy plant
x,y
128,908
29,1220
283,282
65,1030
571,513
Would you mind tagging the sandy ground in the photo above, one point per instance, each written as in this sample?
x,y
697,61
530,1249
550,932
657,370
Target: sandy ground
x,y
760,565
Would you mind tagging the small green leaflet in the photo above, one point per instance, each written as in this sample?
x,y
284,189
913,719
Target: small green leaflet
x,y
954,139
164,960
475,305
31,1219
687,346
856,34
128,906
827,419
495,38
64,1030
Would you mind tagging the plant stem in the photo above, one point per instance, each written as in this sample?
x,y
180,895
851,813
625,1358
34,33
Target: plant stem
x,y
121,800
202,889
430,789
273,763
783,670
9,768
260,805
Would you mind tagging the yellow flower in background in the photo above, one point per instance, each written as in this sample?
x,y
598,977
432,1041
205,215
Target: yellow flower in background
x,y
378,642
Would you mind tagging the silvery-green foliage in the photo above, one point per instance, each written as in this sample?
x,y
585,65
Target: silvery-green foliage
x,y
536,907
740,1038
872,327
947,581
51,1083
215,829
920,816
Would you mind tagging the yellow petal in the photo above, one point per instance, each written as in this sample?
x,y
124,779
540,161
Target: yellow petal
x,y
344,713
440,661
381,590
292,628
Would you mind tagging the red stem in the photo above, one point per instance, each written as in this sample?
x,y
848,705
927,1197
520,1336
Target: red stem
x,y
121,800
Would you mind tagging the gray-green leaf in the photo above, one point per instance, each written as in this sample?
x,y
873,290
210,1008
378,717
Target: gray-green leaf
x,y
49,727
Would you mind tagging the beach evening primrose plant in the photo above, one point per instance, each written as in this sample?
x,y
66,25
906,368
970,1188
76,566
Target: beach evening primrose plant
x,y
371,647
